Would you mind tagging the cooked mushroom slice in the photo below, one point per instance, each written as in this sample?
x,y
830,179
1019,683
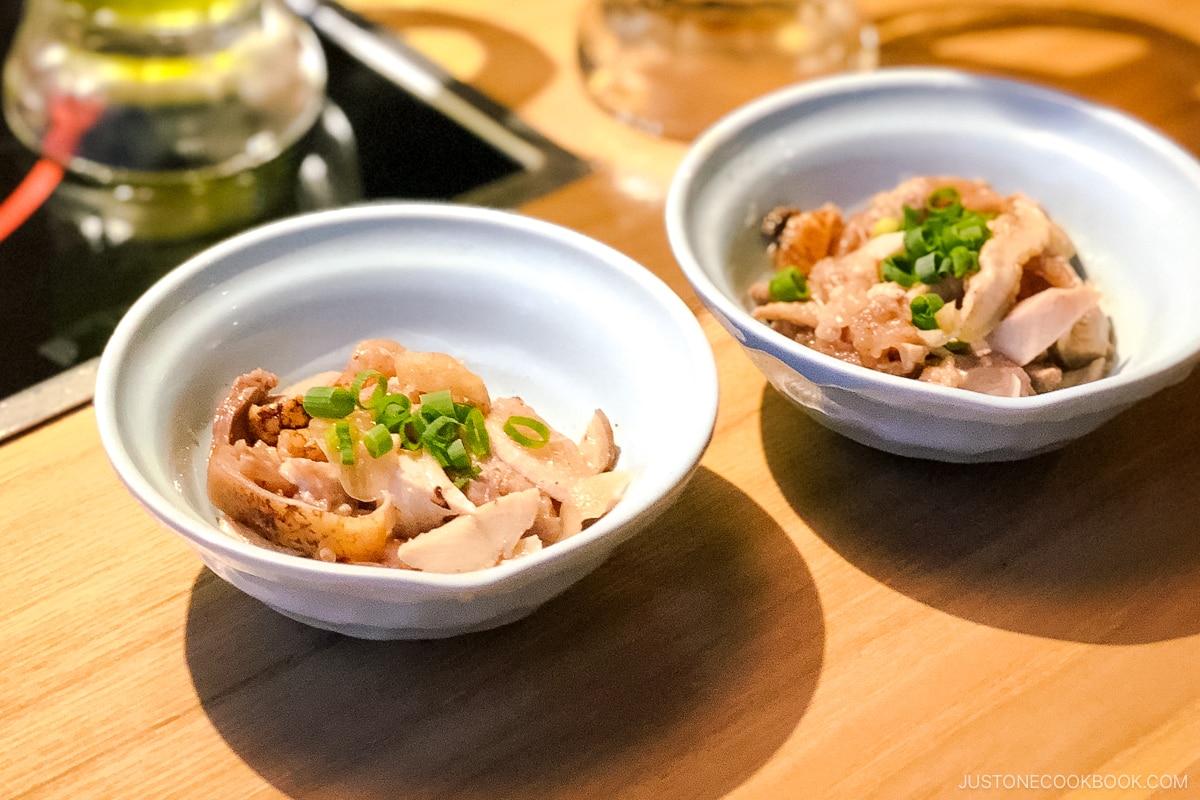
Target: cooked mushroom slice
x,y
231,421
1089,339
598,447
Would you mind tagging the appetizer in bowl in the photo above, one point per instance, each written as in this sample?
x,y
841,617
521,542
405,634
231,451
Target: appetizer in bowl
x,y
251,402
973,371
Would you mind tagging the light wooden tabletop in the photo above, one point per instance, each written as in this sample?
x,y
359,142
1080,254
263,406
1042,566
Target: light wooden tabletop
x,y
813,619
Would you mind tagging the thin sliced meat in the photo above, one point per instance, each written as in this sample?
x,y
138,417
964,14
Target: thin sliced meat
x,y
1040,320
291,523
553,468
473,541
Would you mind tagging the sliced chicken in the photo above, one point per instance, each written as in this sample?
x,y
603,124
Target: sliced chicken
x,y
553,468
473,541
1038,321
591,498
423,494
803,314
417,372
991,373
1017,235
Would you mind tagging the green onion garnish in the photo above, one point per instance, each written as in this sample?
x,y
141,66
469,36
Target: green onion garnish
x,y
377,394
442,430
898,269
926,268
457,456
451,432
475,434
515,426
437,404
958,346
943,239
788,285
329,402
378,440
963,262
943,198
393,411
340,439
924,307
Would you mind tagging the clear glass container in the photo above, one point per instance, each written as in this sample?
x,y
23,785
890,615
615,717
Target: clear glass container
x,y
673,67
171,116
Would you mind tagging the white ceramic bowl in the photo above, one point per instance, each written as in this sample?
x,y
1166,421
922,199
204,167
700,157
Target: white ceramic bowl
x,y
1126,195
536,310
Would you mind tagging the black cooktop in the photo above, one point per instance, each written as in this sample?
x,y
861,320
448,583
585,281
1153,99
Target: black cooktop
x,y
416,134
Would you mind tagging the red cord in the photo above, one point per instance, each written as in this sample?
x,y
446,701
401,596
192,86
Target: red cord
x,y
29,195
70,118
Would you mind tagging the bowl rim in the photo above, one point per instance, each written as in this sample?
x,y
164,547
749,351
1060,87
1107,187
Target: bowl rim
x,y
261,560
1131,386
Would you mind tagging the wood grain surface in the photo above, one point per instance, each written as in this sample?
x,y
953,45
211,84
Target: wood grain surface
x,y
813,619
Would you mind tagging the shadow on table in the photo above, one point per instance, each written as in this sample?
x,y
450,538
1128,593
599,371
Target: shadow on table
x,y
1076,545
1128,63
676,669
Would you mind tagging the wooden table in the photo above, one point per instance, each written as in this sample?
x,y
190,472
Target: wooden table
x,y
814,619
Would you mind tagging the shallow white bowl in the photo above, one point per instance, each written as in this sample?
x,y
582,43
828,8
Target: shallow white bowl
x,y
1126,195
536,310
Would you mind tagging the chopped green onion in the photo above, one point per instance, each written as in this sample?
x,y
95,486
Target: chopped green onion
x,y
329,402
926,268
340,439
440,431
788,285
461,410
940,240
898,269
515,426
456,454
475,434
377,394
463,477
942,198
410,433
924,307
963,262
915,243
958,346
394,410
912,218
378,440
437,404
